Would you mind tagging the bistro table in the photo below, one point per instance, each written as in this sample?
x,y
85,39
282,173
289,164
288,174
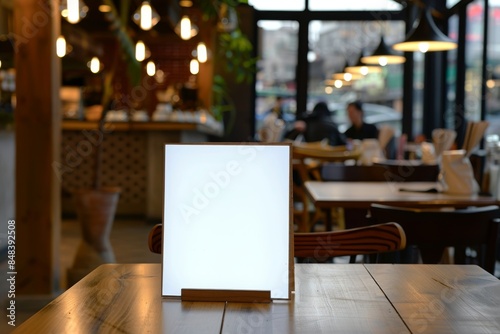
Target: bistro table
x,y
328,298
360,195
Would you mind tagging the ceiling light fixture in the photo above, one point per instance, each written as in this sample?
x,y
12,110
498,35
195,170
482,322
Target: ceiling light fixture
x,y
383,56
146,16
186,29
104,8
61,46
194,67
425,36
201,52
95,65
151,68
363,69
140,51
185,3
73,10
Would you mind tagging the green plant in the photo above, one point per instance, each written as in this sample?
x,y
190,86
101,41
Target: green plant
x,y
235,51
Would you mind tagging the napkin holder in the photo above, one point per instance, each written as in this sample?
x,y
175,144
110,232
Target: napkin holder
x,y
457,174
370,152
428,153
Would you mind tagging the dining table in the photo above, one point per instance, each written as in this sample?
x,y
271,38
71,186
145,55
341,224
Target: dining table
x,y
358,196
327,298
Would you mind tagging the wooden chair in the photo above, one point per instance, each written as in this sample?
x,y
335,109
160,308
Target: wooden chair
x,y
307,161
434,230
323,246
155,239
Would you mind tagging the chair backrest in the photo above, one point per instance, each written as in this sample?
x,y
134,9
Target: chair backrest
x,y
375,239
432,230
307,160
322,246
154,239
385,172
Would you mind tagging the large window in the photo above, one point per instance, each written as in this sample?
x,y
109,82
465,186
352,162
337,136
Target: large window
x,y
493,69
277,52
286,5
336,44
331,46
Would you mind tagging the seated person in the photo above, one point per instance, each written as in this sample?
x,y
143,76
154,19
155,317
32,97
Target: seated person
x,y
318,126
359,129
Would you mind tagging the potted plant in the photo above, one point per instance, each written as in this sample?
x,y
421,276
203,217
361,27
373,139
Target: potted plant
x,y
96,206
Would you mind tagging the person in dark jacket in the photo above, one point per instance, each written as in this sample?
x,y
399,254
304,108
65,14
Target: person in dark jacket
x,y
359,129
318,126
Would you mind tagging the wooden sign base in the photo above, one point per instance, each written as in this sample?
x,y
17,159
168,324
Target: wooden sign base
x,y
241,296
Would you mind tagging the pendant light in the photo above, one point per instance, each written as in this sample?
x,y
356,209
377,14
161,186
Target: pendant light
x,y
140,51
151,68
363,69
201,52
338,83
61,46
186,29
194,67
95,65
383,56
73,10
146,16
346,76
425,36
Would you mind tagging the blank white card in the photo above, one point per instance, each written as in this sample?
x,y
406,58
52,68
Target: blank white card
x,y
226,220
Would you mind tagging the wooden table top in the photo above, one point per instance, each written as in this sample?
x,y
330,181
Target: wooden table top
x,y
361,195
340,298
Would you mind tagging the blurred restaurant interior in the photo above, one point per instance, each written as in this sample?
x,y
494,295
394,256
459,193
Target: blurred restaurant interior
x,y
90,100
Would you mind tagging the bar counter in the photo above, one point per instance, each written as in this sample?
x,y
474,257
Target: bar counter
x,y
132,159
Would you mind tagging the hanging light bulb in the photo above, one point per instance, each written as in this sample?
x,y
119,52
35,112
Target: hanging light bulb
x,y
61,46
194,67
185,28
185,3
383,56
95,65
0,64
146,16
73,10
151,68
346,76
140,51
362,69
201,52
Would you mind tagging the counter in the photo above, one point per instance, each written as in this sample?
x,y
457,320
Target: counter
x,y
132,158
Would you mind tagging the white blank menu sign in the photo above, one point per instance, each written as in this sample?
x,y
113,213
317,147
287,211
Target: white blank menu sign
x,y
226,220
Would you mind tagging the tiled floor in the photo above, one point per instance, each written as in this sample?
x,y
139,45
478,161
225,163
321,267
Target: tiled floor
x,y
129,240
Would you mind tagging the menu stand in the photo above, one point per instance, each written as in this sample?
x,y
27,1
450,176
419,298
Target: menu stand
x,y
239,296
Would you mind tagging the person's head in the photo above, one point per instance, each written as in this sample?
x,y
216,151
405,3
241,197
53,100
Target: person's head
x,y
320,110
355,113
